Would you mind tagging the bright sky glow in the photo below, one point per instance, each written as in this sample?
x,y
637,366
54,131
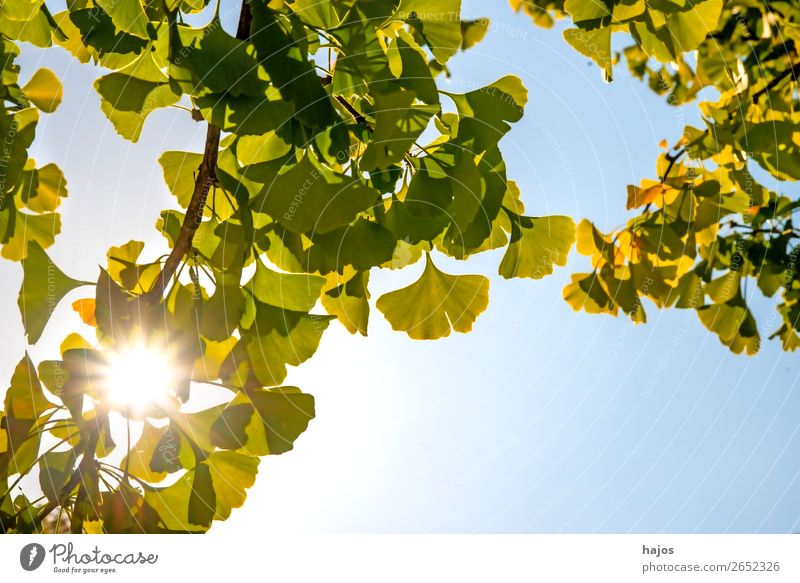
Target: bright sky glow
x,y
139,377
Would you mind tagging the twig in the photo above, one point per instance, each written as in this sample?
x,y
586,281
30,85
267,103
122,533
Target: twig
x,y
793,73
206,178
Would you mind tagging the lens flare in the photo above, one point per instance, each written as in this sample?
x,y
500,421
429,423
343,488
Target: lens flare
x,y
140,377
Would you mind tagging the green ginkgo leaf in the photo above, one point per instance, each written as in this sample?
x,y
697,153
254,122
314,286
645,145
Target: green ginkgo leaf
x,y
291,291
733,323
326,14
209,60
347,298
25,398
398,123
44,188
25,229
279,337
665,36
127,15
92,35
25,406
439,23
55,470
232,473
436,303
220,314
586,293
43,287
131,94
207,492
37,28
264,422
286,61
473,31
17,130
595,44
202,497
180,169
309,198
486,113
536,245
139,458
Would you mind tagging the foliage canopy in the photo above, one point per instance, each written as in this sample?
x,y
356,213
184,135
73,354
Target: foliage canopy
x,y
331,151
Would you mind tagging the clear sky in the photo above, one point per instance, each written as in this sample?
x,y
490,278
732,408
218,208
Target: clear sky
x,y
541,419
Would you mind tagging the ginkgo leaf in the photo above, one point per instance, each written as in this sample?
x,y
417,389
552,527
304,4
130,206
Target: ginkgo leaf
x,y
587,12
671,33
309,198
436,303
291,291
289,69
221,313
586,293
120,258
202,497
55,470
85,308
347,298
734,324
132,93
43,287
212,61
139,459
44,90
647,194
537,243
171,504
280,337
264,422
398,123
473,31
47,187
22,126
180,170
327,15
91,34
438,23
25,406
127,15
27,230
25,398
232,473
595,44
487,112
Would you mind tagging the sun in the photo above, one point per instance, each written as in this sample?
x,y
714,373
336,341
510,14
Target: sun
x,y
139,377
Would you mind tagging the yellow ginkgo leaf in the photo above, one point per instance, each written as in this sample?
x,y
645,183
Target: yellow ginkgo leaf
x,y
436,304
44,90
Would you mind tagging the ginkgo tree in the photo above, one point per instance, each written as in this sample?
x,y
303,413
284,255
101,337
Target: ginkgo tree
x,y
330,151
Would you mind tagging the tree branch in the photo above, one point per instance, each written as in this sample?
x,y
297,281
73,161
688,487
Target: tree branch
x,y
793,73
205,180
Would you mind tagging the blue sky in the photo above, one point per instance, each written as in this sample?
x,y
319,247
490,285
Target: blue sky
x,y
541,419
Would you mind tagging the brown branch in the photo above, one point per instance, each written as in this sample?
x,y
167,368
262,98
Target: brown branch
x,y
206,177
205,180
87,449
793,73
355,113
672,159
